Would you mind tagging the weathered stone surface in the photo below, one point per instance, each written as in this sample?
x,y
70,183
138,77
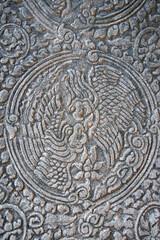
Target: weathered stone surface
x,y
79,125
3,95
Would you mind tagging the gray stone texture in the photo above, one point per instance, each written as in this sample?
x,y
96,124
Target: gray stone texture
x,y
79,119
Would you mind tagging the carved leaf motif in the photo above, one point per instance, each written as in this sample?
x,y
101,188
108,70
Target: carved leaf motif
x,y
96,176
86,127
79,175
100,191
98,165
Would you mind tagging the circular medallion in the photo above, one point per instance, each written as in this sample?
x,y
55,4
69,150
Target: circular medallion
x,y
13,222
113,12
82,14
14,41
148,222
82,127
146,47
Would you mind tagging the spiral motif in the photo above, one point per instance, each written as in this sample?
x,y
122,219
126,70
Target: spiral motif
x,y
35,220
85,228
85,107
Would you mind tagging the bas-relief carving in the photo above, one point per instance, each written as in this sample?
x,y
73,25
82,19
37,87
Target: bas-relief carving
x,y
79,119
91,117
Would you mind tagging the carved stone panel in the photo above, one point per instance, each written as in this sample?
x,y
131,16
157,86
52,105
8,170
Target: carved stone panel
x,y
79,119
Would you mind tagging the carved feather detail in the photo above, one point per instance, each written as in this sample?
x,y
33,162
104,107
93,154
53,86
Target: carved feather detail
x,y
74,111
120,104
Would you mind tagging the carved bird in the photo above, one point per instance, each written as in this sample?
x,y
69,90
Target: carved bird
x,y
78,109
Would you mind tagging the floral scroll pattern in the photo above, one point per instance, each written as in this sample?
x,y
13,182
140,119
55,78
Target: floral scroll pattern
x,y
148,226
79,119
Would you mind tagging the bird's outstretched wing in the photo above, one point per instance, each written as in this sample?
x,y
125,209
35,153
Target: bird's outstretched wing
x,y
43,143
54,164
119,105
